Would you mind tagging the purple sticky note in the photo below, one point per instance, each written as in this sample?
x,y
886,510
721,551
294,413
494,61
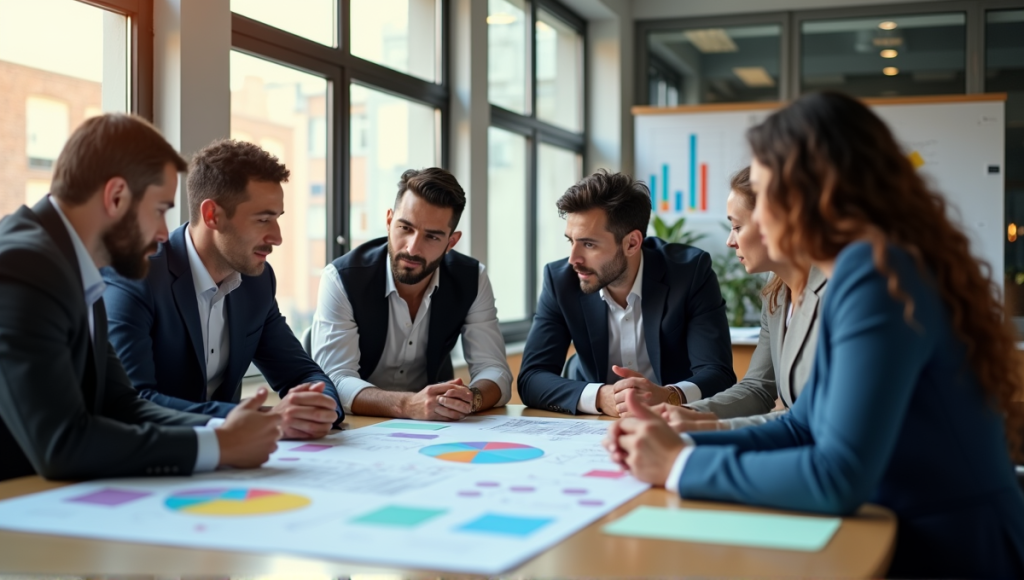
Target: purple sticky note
x,y
522,488
591,502
311,448
413,435
110,496
487,484
289,459
574,491
469,493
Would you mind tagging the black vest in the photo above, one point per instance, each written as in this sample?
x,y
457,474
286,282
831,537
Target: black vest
x,y
363,274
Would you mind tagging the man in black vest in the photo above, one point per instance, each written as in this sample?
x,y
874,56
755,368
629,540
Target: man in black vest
x,y
390,311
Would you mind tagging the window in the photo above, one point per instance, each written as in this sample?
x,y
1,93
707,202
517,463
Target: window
x,y
507,40
394,134
535,147
1004,72
349,94
316,20
714,65
278,108
61,62
885,56
398,34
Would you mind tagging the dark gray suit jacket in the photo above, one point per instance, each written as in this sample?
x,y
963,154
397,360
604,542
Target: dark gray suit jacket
x,y
67,409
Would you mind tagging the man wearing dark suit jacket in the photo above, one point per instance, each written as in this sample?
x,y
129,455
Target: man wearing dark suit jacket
x,y
643,315
67,410
188,331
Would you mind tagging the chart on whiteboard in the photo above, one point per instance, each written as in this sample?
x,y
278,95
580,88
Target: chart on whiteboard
x,y
480,496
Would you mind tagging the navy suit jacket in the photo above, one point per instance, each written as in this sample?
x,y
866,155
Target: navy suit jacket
x,y
685,328
892,414
154,326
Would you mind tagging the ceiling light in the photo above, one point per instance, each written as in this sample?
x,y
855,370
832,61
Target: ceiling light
x,y
754,76
889,53
890,71
711,40
887,41
501,18
887,25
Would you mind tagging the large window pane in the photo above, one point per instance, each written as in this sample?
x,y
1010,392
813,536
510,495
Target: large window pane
x,y
885,56
713,65
507,69
312,19
284,111
61,62
557,170
399,34
1004,73
506,222
559,73
388,135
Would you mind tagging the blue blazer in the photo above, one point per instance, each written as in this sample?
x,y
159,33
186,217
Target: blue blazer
x,y
893,415
685,328
154,326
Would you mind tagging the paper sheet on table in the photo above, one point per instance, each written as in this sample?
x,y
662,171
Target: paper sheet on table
x,y
478,496
803,533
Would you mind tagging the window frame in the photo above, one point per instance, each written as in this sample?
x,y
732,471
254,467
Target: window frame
x,y
537,131
140,50
341,69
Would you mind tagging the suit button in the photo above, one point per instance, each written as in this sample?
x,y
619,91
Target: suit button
x,y
174,469
149,470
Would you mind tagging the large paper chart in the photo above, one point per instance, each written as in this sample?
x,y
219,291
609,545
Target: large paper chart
x,y
400,493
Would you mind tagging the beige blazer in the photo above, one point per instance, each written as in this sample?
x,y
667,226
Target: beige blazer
x,y
780,365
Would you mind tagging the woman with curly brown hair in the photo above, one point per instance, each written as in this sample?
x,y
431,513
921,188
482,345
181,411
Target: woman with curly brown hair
x,y
909,404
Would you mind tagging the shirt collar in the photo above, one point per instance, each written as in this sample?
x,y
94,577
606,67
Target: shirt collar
x,y
201,276
389,281
636,290
92,282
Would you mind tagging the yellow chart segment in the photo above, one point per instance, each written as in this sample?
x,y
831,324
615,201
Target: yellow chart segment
x,y
235,502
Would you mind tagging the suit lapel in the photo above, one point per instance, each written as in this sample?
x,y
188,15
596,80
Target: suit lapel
x,y
799,327
596,317
184,291
652,306
238,361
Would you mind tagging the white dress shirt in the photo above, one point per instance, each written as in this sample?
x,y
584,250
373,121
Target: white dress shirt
x,y
208,454
403,364
627,346
212,316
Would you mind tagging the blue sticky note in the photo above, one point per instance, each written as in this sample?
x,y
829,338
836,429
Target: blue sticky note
x,y
505,525
802,533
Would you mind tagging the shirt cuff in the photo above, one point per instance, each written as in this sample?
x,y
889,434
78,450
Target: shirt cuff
x,y
208,448
588,399
672,483
690,391
499,377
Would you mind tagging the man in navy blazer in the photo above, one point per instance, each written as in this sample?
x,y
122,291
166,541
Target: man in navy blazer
x,y
643,314
188,331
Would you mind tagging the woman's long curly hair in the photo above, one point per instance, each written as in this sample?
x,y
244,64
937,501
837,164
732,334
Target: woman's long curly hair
x,y
838,175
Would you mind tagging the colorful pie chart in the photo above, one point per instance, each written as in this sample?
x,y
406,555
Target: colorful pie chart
x,y
238,501
482,452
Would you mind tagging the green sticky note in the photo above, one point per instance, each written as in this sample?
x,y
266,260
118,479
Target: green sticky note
x,y
398,516
806,534
415,426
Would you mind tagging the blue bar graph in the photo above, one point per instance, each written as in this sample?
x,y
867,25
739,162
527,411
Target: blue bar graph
x,y
664,183
679,201
654,188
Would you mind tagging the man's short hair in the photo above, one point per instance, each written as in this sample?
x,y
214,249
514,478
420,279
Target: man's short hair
x,y
626,201
222,170
437,187
109,146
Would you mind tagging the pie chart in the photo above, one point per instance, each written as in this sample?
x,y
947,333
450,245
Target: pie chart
x,y
482,452
234,501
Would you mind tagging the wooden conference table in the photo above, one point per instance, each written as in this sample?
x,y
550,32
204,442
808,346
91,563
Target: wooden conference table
x,y
861,548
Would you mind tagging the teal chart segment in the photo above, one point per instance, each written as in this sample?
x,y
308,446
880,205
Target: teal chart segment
x,y
482,452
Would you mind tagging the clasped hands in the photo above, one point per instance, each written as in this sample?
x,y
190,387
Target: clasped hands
x,y
642,442
450,401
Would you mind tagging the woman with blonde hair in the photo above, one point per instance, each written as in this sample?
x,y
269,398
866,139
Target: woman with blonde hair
x,y
910,402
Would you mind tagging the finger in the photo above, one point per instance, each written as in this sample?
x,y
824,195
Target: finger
x,y
456,381
310,399
318,387
446,414
623,385
455,404
311,414
302,429
626,373
628,443
638,409
255,402
300,388
461,393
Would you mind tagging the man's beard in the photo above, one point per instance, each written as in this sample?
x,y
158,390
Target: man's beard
x,y
405,276
609,273
129,254
239,258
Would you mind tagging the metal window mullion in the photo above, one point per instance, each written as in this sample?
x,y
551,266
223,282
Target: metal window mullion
x,y
530,278
339,170
531,58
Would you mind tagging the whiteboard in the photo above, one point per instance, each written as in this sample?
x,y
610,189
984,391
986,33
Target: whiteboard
x,y
687,158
